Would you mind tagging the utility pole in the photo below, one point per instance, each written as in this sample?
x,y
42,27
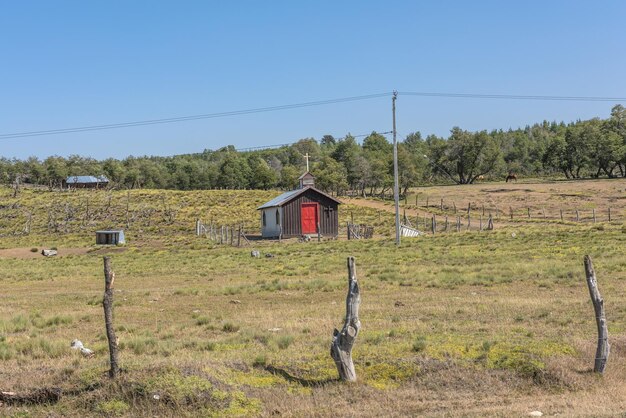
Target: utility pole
x,y
396,191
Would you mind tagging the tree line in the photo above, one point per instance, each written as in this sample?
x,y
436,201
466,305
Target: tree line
x,y
591,148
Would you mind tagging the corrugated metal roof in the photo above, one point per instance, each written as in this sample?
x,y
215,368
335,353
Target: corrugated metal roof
x,y
277,201
86,179
287,196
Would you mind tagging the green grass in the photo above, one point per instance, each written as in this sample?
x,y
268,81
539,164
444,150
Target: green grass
x,y
205,327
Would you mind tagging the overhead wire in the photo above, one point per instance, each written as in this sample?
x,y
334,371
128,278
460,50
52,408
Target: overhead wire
x,y
306,104
190,118
263,147
514,96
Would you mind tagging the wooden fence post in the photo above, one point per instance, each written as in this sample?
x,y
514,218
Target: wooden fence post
x,y
490,223
446,227
561,214
609,214
107,304
528,209
480,222
441,207
469,222
543,211
434,225
454,206
577,216
604,348
593,211
319,233
511,211
239,237
341,346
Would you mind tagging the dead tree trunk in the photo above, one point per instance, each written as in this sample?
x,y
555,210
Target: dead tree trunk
x,y
602,352
107,303
341,347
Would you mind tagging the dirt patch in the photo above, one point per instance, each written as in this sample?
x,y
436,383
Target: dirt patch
x,y
27,253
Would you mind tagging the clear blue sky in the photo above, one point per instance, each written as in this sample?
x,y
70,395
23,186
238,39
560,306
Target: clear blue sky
x,y
68,64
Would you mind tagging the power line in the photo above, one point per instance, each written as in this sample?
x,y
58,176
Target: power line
x,y
262,147
306,104
189,118
515,97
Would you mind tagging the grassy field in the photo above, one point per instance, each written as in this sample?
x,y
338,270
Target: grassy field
x,y
456,324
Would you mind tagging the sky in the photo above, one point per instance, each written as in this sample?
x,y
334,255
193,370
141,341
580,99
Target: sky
x,y
68,64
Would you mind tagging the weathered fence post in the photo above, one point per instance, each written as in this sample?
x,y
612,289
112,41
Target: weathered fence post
x,y
528,209
593,211
446,227
543,211
609,214
604,348
577,216
197,227
480,222
348,228
454,206
469,222
490,223
341,346
441,207
483,207
107,303
239,237
434,225
319,233
511,211
561,214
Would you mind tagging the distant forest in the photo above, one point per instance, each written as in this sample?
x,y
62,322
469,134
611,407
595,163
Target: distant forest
x,y
591,148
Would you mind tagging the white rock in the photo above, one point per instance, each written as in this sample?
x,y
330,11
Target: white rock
x,y
535,414
78,345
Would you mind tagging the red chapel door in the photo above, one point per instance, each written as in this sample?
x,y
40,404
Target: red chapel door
x,y
308,216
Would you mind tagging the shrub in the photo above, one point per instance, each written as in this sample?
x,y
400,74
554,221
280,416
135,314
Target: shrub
x,y
228,327
284,341
419,344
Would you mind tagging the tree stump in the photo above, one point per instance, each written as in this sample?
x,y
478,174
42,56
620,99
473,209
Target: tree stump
x,y
107,303
604,348
341,346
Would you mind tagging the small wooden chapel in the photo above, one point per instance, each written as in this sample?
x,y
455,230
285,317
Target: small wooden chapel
x,y
303,211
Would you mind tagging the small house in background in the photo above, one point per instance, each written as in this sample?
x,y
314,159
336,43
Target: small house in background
x,y
86,182
300,212
110,237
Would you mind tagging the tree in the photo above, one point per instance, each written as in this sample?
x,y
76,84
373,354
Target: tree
x,y
330,176
346,153
261,174
469,155
328,141
289,177
233,173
